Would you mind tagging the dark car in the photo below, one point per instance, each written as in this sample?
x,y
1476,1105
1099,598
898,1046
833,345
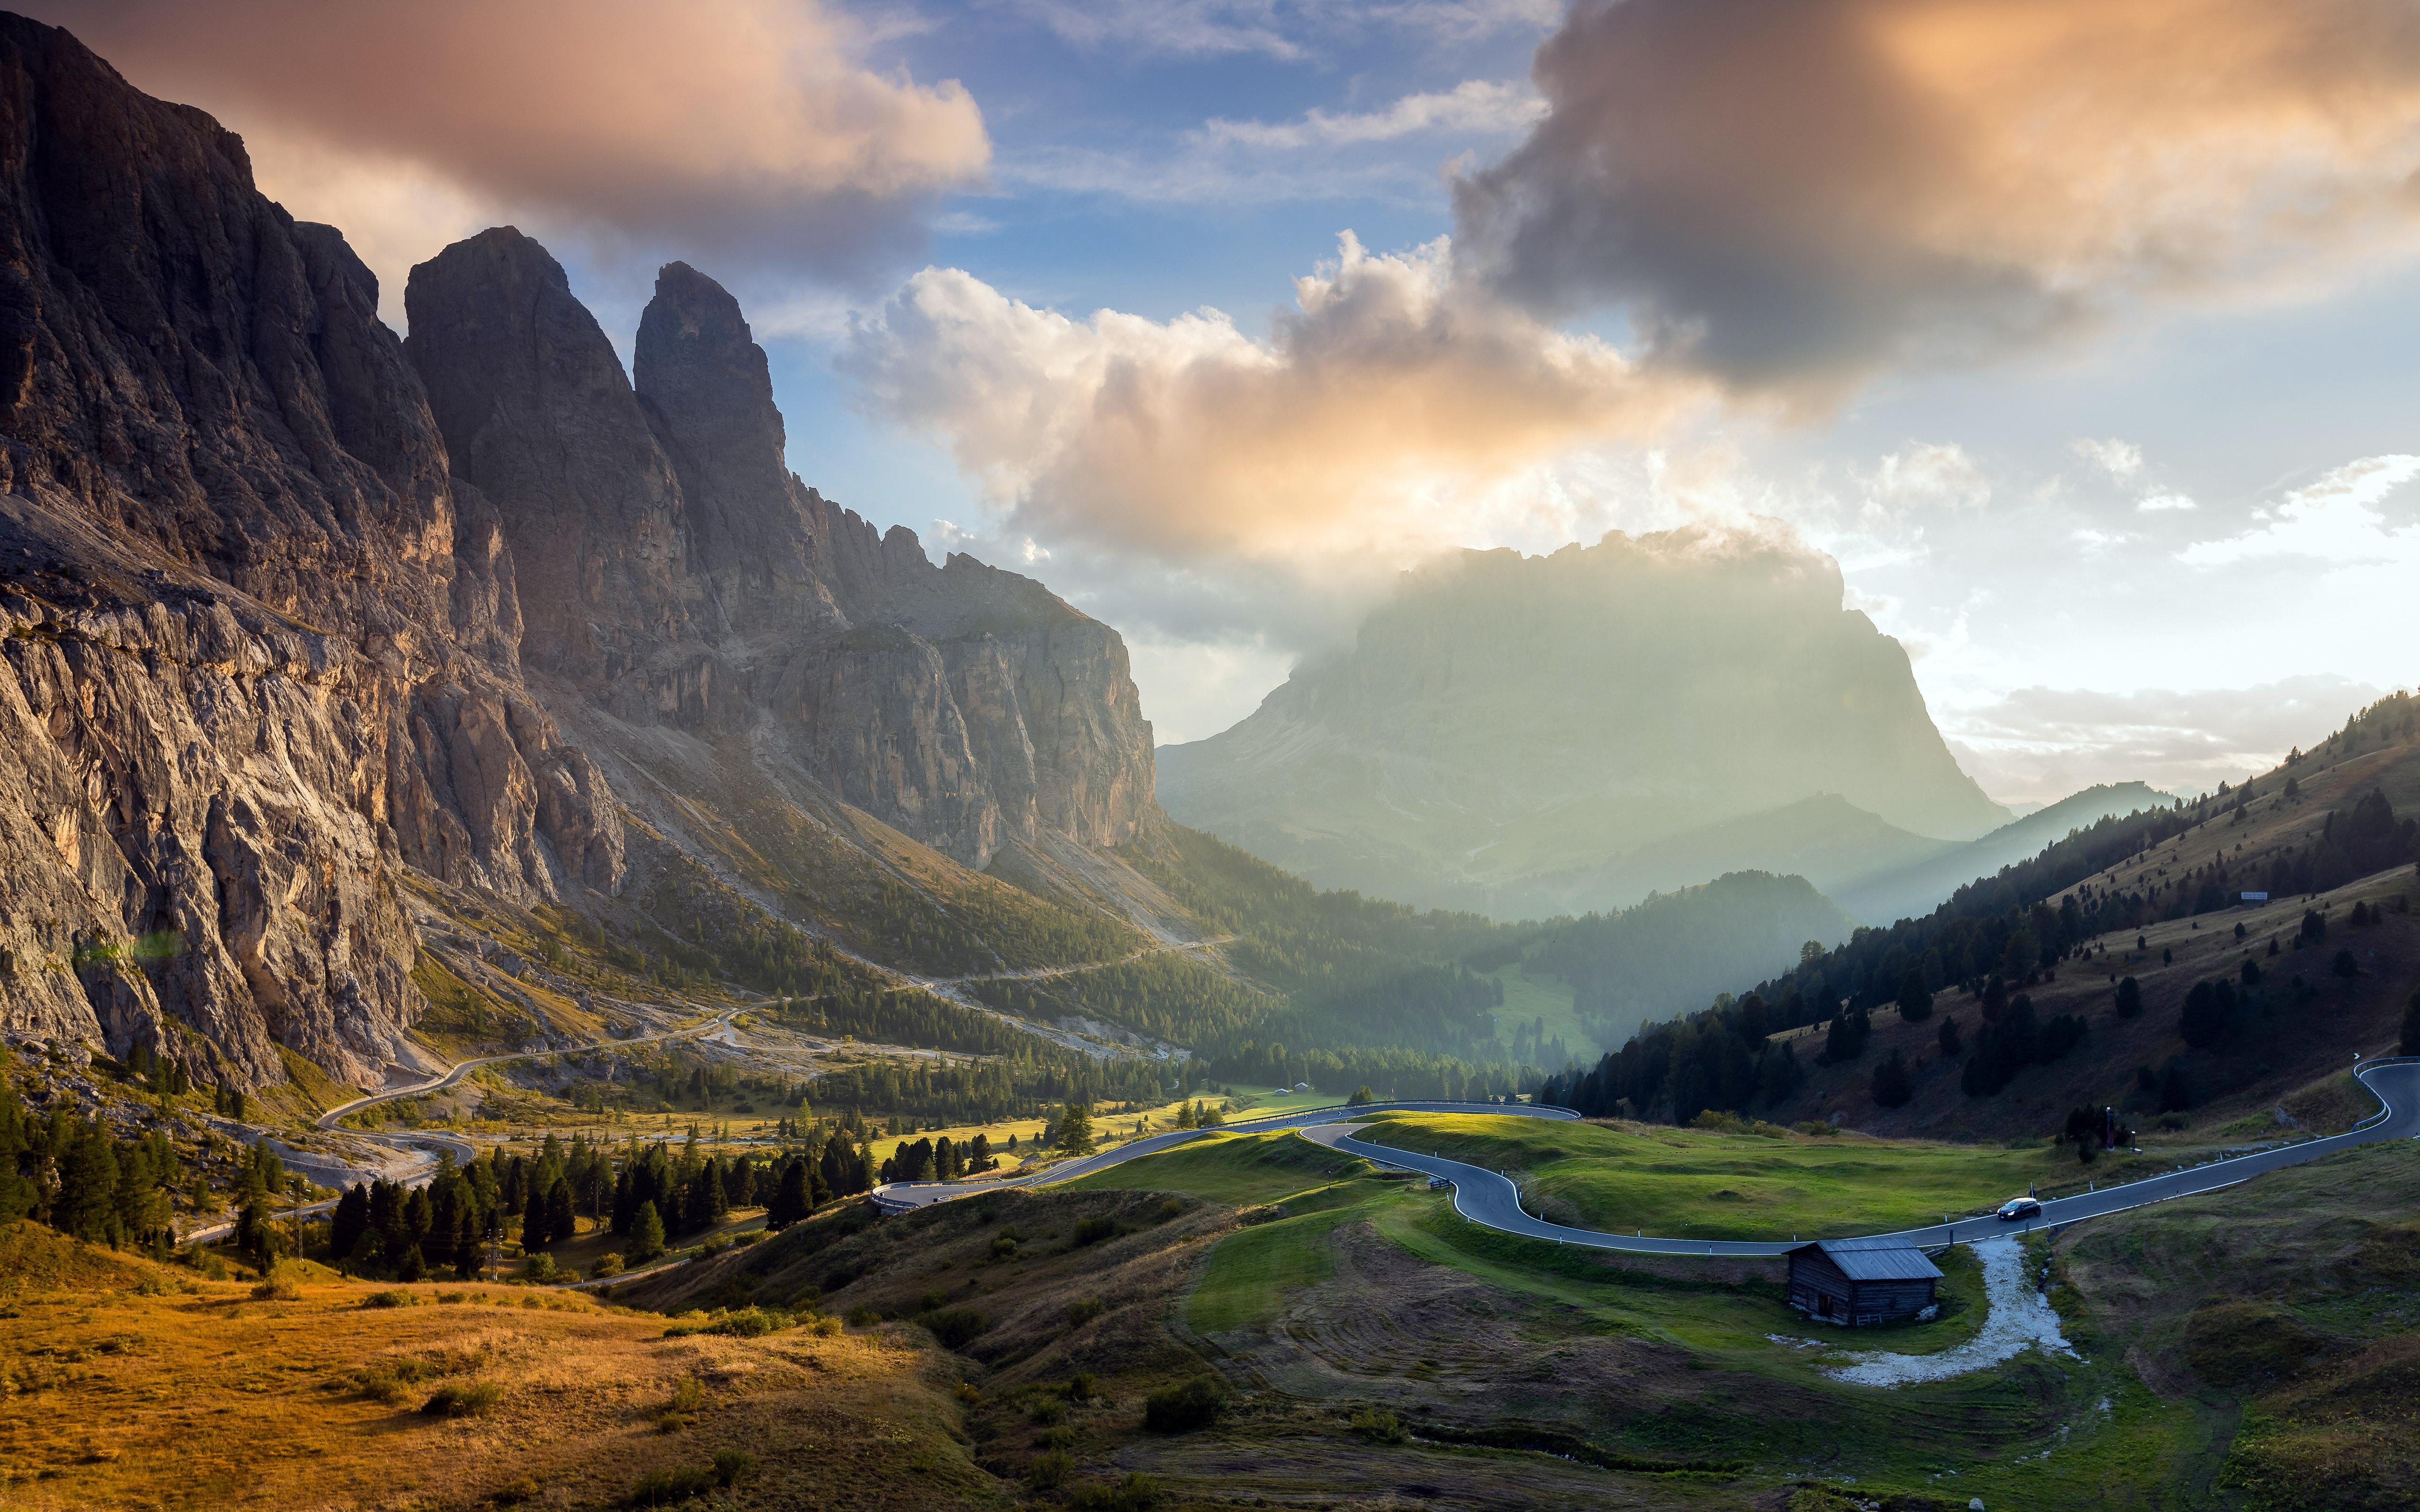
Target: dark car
x,y
2018,1207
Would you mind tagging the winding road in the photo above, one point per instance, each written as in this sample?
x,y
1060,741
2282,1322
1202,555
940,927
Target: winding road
x,y
464,1151
1490,1199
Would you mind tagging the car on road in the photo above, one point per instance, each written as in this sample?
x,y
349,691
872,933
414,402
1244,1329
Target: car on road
x,y
2018,1207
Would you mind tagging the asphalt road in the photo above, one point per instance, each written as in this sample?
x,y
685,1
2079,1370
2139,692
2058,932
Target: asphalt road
x,y
463,1150
1488,1198
902,1196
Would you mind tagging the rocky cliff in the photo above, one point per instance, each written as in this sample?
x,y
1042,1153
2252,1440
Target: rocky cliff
x,y
1507,730
295,610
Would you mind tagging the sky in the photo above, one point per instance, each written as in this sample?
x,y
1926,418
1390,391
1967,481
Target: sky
x,y
2076,331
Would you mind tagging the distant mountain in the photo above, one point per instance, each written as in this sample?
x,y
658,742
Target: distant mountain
x,y
1672,953
1925,883
1826,840
1507,731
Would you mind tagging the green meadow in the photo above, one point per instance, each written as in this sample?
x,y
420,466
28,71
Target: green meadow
x,y
1695,1183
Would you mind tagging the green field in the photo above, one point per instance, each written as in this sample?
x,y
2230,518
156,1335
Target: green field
x,y
2112,1443
1690,1184
1528,999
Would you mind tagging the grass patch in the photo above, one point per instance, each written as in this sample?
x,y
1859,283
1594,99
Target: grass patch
x,y
1243,1170
1691,1183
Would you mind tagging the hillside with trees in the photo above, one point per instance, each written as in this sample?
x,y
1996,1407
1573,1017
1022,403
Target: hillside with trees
x,y
2118,968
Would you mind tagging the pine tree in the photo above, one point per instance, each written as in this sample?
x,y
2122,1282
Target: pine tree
x,y
1892,1085
1076,1130
2410,1045
86,1203
560,1223
350,1220
793,1199
2130,997
1914,1001
534,1229
647,1233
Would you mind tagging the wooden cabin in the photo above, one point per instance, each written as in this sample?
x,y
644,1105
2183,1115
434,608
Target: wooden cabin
x,y
1860,1281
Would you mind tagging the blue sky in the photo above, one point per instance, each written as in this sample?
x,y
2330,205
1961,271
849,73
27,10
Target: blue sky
x,y
2104,409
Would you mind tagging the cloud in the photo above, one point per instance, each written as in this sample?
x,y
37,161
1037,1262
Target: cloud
x,y
1381,410
2337,520
2042,742
1213,28
2120,460
1921,476
1473,105
1793,197
746,128
2159,502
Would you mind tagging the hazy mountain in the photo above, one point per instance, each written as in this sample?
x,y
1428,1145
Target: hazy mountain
x,y
1920,888
1507,731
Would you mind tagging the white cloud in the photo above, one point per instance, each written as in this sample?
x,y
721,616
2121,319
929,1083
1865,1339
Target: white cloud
x,y
2337,520
1473,105
2160,502
1928,475
2041,744
1212,28
2120,459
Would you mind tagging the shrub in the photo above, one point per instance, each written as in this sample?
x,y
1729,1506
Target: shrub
x,y
823,1326
1094,1231
956,1327
1082,1387
540,1268
932,1300
1184,1407
749,1323
514,1492
1051,1471
1172,1208
1050,1410
393,1298
680,1410
1003,1248
664,1487
605,1266
476,1399
1080,1313
1137,1492
730,1465
861,1316
282,1283
1376,1427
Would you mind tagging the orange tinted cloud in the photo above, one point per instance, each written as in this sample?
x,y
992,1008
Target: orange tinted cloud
x,y
1792,194
1380,410
745,125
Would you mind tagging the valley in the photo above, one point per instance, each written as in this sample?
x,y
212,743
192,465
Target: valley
x,y
547,963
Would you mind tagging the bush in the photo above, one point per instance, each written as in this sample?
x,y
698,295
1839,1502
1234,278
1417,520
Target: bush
x,y
730,1465
1003,1248
823,1326
665,1488
605,1266
1184,1407
1082,1387
861,1316
1137,1492
1080,1313
282,1283
540,1268
1094,1231
388,1299
1376,1427
1051,1471
749,1323
956,1327
475,1400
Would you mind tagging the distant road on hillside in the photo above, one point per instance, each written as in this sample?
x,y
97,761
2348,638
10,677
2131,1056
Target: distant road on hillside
x,y
1490,1199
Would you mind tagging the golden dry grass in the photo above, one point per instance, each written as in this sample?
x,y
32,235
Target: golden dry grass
x,y
110,1398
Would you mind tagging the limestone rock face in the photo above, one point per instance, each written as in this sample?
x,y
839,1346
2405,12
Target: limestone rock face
x,y
229,584
290,609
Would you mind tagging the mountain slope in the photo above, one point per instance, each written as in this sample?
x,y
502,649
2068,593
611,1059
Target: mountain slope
x,y
1900,892
1504,719
316,637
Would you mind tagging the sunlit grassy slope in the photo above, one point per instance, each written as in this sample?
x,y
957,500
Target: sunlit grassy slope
x,y
1691,1183
198,1395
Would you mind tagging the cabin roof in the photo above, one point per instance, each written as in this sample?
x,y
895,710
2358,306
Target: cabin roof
x,y
1874,1259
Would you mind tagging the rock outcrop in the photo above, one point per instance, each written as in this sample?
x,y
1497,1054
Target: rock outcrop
x,y
293,610
1507,731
